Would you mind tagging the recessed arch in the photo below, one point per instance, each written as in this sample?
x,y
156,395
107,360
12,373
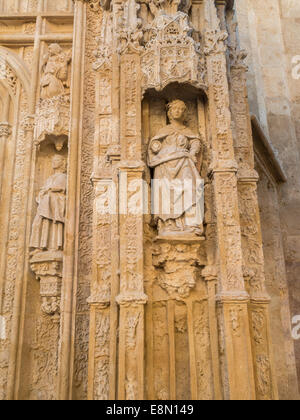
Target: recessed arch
x,y
18,66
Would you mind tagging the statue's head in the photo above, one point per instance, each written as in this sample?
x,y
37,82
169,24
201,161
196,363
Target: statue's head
x,y
59,162
54,49
177,110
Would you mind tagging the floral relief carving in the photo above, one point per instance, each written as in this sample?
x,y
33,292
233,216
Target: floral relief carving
x,y
176,265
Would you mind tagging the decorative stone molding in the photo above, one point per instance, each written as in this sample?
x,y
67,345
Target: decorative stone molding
x,y
28,123
5,129
171,54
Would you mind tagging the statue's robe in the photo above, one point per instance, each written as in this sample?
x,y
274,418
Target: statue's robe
x,y
47,229
55,73
171,154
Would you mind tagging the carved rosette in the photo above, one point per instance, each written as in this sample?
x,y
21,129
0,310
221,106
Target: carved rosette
x,y
47,267
177,263
171,54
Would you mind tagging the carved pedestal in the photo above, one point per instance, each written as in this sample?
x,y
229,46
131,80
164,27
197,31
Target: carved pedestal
x,y
177,259
47,267
52,120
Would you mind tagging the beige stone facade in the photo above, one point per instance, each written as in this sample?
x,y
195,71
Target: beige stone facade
x,y
150,194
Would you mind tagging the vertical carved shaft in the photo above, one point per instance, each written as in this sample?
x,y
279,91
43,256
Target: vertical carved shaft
x,y
232,295
72,217
253,259
5,132
132,297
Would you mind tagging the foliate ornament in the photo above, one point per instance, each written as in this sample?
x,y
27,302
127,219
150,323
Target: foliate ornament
x,y
103,57
52,118
96,5
129,32
103,53
177,265
264,377
235,320
171,54
237,57
214,41
28,123
8,76
5,129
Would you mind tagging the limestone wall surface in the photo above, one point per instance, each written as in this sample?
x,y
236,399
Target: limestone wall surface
x,y
270,32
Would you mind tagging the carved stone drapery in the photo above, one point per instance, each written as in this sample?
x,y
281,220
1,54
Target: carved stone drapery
x,y
47,237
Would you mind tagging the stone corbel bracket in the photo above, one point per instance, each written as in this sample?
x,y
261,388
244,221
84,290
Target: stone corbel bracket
x,y
177,260
47,266
52,120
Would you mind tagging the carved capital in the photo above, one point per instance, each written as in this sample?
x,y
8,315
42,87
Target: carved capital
x,y
237,57
28,123
214,41
131,299
5,129
210,273
233,297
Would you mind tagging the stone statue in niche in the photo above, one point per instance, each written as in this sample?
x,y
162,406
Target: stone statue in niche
x,y
178,190
48,225
55,72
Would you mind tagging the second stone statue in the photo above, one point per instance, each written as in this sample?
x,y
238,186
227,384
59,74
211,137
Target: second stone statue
x,y
177,188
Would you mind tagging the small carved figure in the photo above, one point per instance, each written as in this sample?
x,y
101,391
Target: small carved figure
x,y
55,72
47,228
177,185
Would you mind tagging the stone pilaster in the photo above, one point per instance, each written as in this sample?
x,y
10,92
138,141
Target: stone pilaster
x,y
253,258
238,377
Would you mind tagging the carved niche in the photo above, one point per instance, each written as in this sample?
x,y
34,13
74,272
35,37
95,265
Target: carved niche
x,y
177,196
53,110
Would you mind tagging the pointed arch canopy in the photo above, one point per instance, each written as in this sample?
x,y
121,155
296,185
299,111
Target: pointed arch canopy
x,y
18,66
